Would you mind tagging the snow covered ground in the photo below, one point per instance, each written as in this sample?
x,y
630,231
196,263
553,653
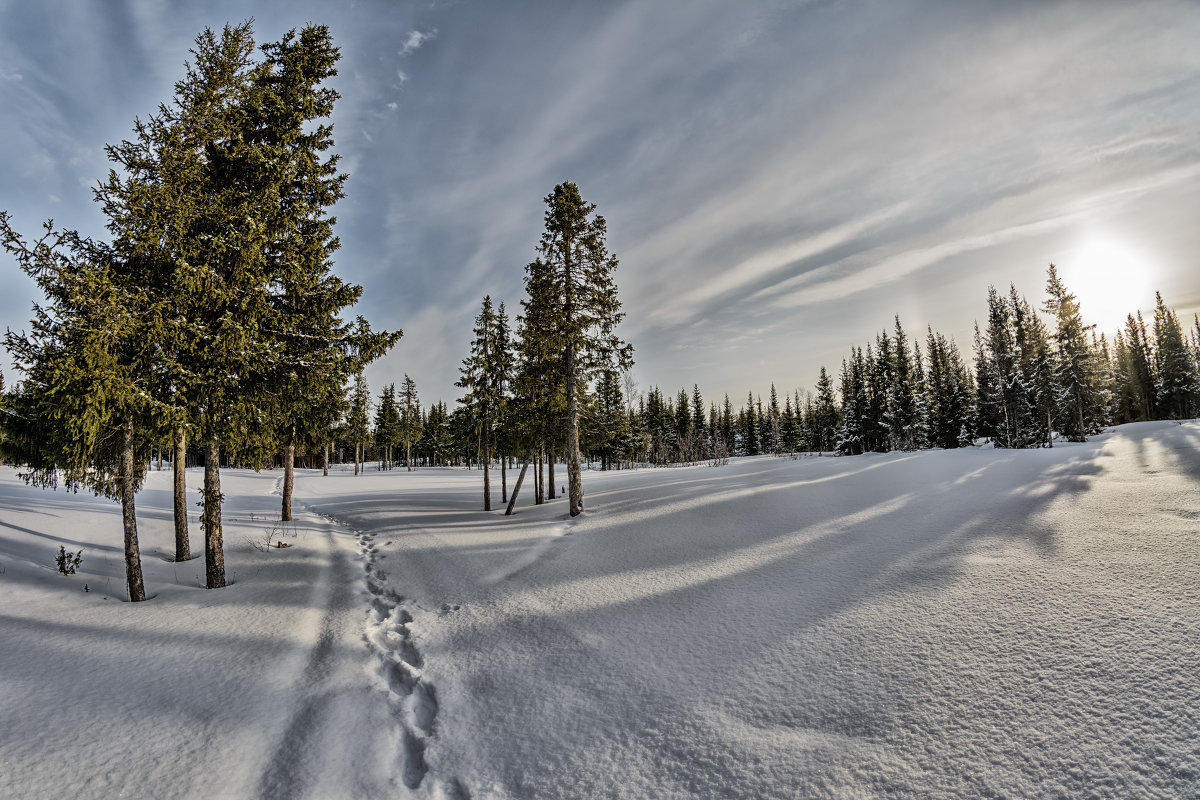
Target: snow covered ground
x,y
976,623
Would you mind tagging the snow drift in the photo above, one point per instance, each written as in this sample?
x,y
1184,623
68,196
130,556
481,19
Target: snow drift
x,y
935,624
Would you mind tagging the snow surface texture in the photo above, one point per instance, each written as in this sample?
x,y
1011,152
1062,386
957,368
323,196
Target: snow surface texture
x,y
975,623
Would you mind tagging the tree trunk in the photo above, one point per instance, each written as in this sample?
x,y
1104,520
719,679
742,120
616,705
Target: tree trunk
x,y
408,455
325,460
214,553
539,480
550,470
503,479
183,549
133,558
512,501
356,447
574,476
159,448
487,482
289,474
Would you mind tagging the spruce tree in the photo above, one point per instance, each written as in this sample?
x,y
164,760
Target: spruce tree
x,y
852,432
774,426
612,423
504,367
1036,391
358,419
222,194
878,380
790,427
1176,387
826,414
948,394
539,385
902,414
1074,372
683,428
411,426
581,268
84,408
700,432
728,435
482,376
1142,368
751,431
316,349
387,425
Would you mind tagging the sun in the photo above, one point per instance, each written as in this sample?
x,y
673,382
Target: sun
x,y
1111,278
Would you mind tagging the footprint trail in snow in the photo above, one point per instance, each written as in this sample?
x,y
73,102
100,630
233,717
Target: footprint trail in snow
x,y
413,699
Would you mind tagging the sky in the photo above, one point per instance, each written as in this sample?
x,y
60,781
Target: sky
x,y
780,179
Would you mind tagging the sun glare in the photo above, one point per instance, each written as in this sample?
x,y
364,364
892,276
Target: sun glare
x,y
1111,279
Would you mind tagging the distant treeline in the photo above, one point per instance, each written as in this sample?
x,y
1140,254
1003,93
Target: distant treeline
x,y
1033,376
1035,373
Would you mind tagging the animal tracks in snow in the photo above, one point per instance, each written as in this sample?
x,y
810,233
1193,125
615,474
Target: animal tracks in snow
x,y
413,699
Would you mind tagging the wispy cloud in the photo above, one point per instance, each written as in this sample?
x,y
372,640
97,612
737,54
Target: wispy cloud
x,y
746,275
416,40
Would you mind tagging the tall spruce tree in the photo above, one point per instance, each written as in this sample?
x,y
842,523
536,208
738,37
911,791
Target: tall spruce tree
x,y
411,426
852,431
700,432
684,436
358,419
1074,372
902,420
504,366
387,425
222,194
612,426
1177,386
825,413
728,430
1142,367
948,393
1036,389
316,350
580,274
483,378
539,383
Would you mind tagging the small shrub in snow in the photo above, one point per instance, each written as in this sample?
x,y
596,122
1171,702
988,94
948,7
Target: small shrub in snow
x,y
68,562
274,537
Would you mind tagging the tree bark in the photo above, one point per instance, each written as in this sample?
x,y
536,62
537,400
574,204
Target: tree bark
x,y
574,476
512,501
539,481
550,475
487,482
325,460
133,558
289,474
356,447
214,552
503,479
183,548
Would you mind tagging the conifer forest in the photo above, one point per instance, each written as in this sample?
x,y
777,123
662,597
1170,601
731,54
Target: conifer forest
x,y
947,566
